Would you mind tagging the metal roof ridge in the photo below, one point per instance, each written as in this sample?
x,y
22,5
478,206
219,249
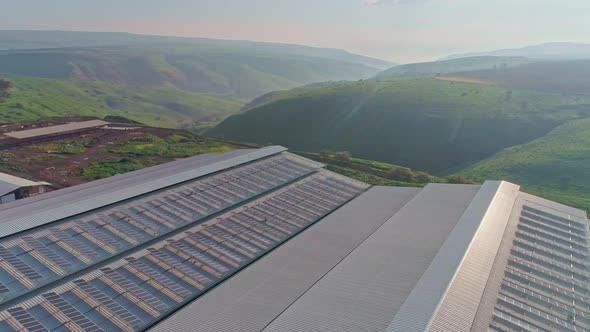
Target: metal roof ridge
x,y
424,303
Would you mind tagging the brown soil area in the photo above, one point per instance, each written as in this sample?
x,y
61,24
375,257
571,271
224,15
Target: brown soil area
x,y
62,170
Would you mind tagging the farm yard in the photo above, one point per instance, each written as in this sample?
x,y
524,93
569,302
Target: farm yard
x,y
79,157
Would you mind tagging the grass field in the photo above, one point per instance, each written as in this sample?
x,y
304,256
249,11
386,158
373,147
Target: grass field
x,y
33,99
556,166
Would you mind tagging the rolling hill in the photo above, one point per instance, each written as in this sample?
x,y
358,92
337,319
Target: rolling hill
x,y
243,69
554,51
555,166
565,77
423,123
451,66
31,99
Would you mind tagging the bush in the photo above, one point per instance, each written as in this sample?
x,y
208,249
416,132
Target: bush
x,y
400,174
343,156
421,177
459,179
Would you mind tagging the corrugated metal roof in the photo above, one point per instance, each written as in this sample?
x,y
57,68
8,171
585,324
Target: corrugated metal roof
x,y
56,129
253,298
10,183
365,290
74,202
457,310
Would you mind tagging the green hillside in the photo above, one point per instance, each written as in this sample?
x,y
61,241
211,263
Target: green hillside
x,y
422,123
31,99
30,39
556,166
242,71
452,66
565,77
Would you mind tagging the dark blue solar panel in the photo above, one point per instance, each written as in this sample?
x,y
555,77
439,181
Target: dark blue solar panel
x,y
72,313
23,268
26,320
114,307
46,252
134,289
75,244
160,278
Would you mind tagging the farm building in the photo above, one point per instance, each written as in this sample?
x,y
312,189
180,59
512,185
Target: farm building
x,y
13,188
264,240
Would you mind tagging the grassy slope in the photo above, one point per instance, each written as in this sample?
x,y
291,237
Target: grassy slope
x,y
231,69
556,166
369,171
423,123
33,98
566,77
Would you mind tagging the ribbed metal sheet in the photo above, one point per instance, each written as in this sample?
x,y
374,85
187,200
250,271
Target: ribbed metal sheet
x,y
458,309
256,296
74,203
365,291
418,311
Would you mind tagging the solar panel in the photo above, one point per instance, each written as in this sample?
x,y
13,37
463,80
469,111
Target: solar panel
x,y
77,245
124,227
46,252
72,313
197,253
160,278
111,305
180,266
26,320
95,232
23,268
213,244
134,289
228,237
3,289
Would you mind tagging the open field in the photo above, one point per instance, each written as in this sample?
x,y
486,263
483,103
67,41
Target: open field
x,y
34,99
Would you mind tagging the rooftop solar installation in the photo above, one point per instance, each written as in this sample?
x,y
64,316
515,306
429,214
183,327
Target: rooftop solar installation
x,y
123,267
214,243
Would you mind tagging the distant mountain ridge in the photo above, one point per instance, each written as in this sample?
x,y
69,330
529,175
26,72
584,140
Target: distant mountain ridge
x,y
557,50
240,68
31,39
453,65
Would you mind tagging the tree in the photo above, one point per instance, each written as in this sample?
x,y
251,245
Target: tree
x,y
421,177
400,174
344,156
459,179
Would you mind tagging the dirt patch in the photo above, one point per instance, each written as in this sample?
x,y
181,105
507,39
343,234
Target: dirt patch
x,y
62,160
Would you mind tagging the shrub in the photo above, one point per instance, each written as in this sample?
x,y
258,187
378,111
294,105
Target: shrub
x,y
400,174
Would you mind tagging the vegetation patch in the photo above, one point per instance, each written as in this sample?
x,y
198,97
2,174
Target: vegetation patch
x,y
112,166
376,173
173,146
63,147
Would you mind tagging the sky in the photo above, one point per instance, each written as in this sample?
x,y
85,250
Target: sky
x,y
396,30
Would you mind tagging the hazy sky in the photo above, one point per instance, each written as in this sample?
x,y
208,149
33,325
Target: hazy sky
x,y
398,30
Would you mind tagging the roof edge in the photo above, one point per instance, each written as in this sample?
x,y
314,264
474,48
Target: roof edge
x,y
425,302
14,226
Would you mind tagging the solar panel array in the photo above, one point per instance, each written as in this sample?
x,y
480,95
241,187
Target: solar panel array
x,y
546,285
200,233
